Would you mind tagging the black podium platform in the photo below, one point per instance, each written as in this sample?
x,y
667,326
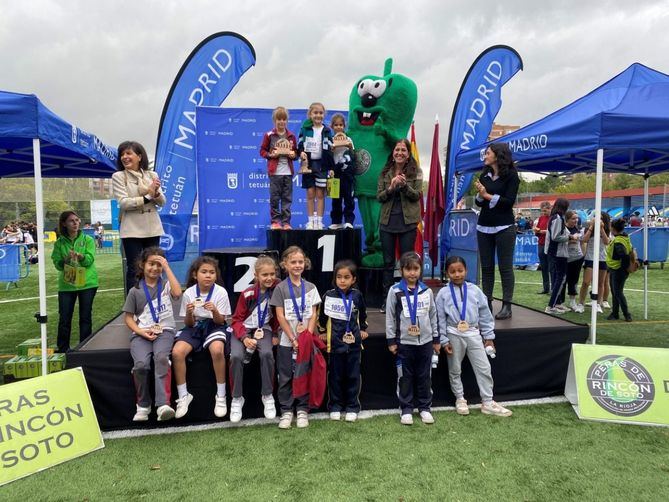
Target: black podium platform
x,y
532,359
323,247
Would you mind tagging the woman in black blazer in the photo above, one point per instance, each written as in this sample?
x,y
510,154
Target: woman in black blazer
x,y
497,189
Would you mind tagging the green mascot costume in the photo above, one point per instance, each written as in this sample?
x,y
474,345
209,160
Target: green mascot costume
x,y
380,113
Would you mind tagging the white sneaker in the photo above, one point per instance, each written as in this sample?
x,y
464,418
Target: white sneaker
x,y
336,226
335,415
302,419
573,305
599,309
182,405
492,408
351,416
553,311
579,308
309,225
268,406
142,414
318,225
562,308
426,417
406,419
165,412
461,407
348,225
236,409
286,419
606,305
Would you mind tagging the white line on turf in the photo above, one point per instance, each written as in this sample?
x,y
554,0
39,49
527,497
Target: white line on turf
x,y
55,296
626,289
365,414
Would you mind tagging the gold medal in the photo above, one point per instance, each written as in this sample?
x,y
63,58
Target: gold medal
x,y
414,330
157,328
259,333
300,327
198,302
348,338
463,326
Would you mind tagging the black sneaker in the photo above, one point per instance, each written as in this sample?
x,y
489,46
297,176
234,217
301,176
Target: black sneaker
x,y
612,317
543,292
628,318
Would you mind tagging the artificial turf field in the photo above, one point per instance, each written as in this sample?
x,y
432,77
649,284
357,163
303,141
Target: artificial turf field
x,y
543,452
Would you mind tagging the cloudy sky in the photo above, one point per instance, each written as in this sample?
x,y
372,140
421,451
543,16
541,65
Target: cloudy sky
x,y
108,65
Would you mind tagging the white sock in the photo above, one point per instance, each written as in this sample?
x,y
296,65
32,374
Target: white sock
x,y
182,390
220,389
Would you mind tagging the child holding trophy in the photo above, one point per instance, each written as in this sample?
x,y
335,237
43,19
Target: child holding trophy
x,y
279,147
344,173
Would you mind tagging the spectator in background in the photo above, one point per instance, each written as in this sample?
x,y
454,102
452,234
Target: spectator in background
x,y
574,261
99,233
635,221
540,227
618,261
73,256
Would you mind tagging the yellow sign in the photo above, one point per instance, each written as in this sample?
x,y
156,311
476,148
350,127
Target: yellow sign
x,y
619,384
45,421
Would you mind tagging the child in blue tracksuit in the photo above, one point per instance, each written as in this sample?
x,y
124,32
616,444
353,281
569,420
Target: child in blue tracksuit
x,y
344,171
343,324
411,331
466,327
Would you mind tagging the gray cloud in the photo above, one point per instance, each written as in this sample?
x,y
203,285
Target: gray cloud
x,y
108,66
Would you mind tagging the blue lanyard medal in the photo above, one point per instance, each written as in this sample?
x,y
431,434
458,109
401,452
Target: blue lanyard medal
x,y
414,329
262,315
199,302
299,312
156,328
348,307
462,324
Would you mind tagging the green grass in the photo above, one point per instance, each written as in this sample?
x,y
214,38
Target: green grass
x,y
541,453
17,317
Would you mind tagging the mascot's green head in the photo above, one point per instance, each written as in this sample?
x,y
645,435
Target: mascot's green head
x,y
384,105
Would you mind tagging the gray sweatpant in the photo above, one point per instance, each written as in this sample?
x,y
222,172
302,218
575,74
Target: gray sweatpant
x,y
141,351
280,197
264,350
472,346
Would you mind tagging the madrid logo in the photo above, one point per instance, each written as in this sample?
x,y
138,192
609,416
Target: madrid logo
x,y
232,181
621,385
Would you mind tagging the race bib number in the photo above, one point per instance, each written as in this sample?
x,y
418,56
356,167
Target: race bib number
x,y
289,309
312,145
423,306
334,308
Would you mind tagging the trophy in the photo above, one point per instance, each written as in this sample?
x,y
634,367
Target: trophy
x,y
282,147
340,139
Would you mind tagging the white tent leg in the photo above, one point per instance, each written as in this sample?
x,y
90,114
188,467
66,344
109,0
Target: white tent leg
x,y
645,247
39,209
597,237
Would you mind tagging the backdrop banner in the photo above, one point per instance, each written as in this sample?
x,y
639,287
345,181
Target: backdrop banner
x,y
233,185
206,78
619,384
526,251
476,107
45,421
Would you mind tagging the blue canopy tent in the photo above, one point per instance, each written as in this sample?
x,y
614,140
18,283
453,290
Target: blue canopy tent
x,y
620,127
35,142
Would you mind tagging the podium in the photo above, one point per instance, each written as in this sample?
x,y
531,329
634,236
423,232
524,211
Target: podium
x,y
323,247
237,267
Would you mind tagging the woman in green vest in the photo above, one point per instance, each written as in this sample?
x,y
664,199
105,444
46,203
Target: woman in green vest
x,y
74,257
617,261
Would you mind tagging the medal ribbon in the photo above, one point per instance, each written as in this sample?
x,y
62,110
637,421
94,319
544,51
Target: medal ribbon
x,y
348,307
154,315
463,312
298,312
211,291
262,315
413,309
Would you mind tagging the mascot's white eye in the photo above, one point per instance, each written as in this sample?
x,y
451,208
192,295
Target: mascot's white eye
x,y
378,88
374,87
